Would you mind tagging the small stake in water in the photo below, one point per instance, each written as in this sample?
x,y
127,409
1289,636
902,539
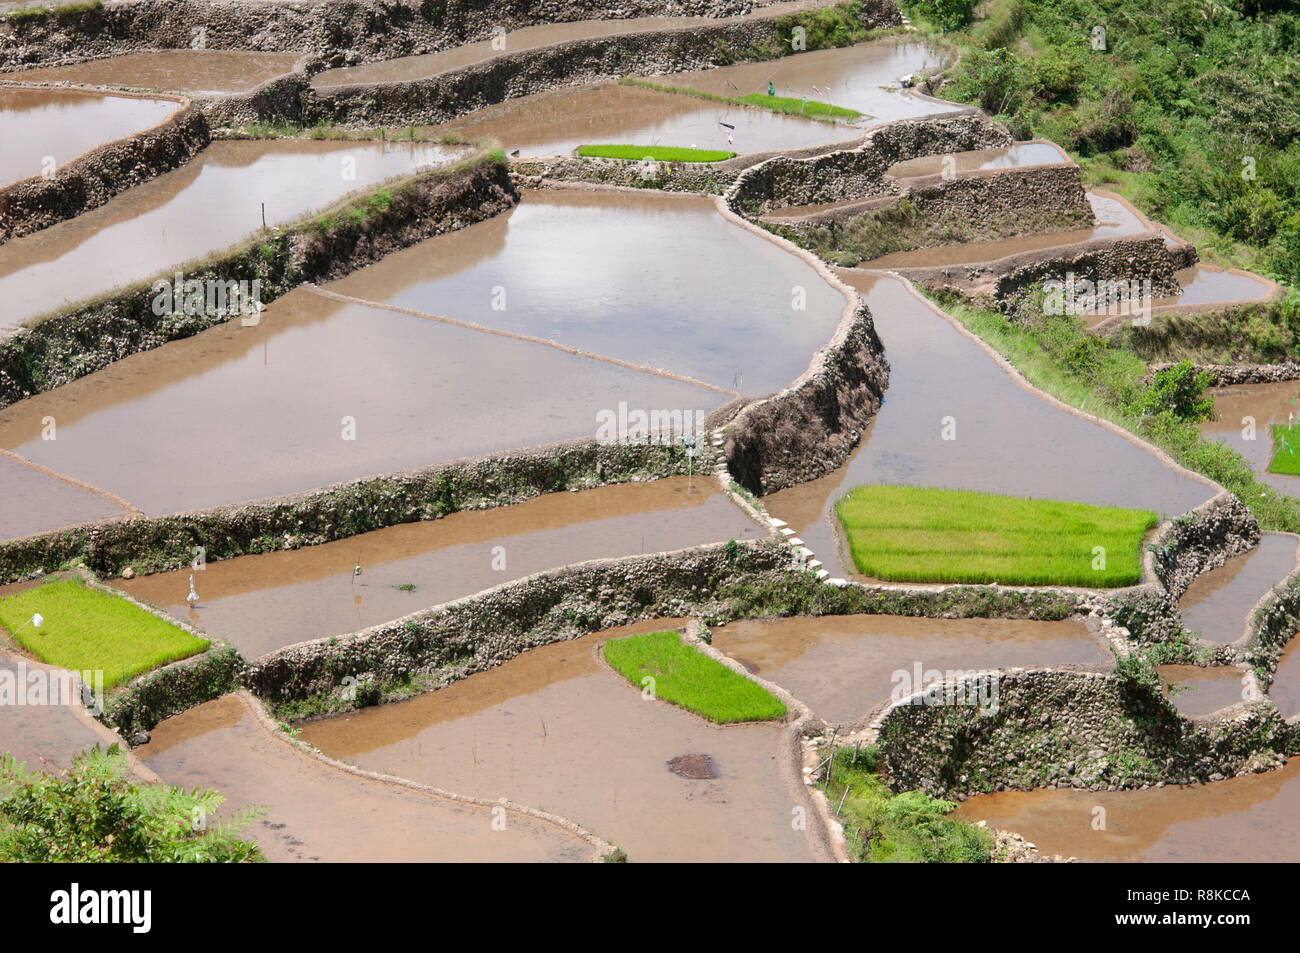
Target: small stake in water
x,y
264,215
689,440
36,621
193,597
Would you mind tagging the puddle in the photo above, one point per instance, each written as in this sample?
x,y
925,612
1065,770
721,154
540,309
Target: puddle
x,y
1206,285
1007,439
844,667
552,728
1217,602
557,122
44,736
319,392
319,813
46,128
209,204
1113,220
1202,691
1244,415
196,72
1241,819
264,602
1017,154
862,77
1285,690
630,276
34,502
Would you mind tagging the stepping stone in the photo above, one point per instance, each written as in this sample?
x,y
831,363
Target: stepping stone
x,y
787,532
815,564
822,574
795,541
776,523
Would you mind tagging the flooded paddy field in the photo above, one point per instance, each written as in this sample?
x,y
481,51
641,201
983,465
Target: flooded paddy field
x,y
1008,157
1007,440
1285,689
317,812
264,602
196,72
1217,603
1241,819
46,128
43,731
1204,284
630,276
1244,415
36,502
317,393
844,667
864,77
557,122
212,202
1197,691
556,729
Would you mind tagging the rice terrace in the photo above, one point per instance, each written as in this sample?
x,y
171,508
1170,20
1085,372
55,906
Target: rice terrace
x,y
848,431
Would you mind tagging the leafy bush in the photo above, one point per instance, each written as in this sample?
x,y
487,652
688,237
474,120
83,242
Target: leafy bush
x,y
1178,390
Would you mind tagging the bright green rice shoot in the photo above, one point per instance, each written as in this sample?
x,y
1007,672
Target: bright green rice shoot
x,y
1286,450
690,679
657,153
913,534
88,630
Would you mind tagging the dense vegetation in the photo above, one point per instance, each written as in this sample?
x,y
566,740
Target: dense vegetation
x,y
883,827
95,813
1189,107
916,534
685,677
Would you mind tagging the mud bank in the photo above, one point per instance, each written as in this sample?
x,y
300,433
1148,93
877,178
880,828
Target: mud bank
x,y
317,810
79,342
1070,729
94,177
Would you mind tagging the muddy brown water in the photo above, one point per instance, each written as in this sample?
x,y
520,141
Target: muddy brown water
x,y
862,77
655,279
35,502
1240,819
1285,690
1202,691
844,667
43,735
1114,219
46,128
316,812
1007,440
1244,415
264,602
317,393
557,122
1206,285
409,68
1017,154
197,72
1217,603
555,729
207,205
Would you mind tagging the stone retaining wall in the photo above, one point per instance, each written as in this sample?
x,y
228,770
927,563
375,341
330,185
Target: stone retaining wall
x,y
858,173
155,544
93,178
811,427
1053,727
1226,375
91,336
345,32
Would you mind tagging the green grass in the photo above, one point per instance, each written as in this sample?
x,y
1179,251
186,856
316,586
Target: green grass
x,y
913,534
687,678
810,109
89,630
797,106
1286,450
883,827
657,153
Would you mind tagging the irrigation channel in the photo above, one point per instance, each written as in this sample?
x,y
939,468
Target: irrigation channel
x,y
523,331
